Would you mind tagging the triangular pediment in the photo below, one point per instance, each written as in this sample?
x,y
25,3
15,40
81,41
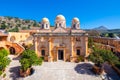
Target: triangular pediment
x,y
59,30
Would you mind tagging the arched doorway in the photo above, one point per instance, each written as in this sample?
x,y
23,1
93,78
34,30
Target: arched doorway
x,y
12,50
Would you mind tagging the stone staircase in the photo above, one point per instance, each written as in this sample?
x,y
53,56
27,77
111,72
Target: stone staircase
x,y
7,44
18,48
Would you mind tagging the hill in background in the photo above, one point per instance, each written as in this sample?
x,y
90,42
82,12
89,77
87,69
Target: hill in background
x,y
103,32
14,24
101,28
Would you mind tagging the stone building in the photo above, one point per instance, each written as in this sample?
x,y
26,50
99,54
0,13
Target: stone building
x,y
20,37
108,43
12,47
59,42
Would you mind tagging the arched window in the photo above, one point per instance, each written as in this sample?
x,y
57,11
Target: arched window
x,y
12,38
46,25
74,26
78,26
42,25
60,24
56,25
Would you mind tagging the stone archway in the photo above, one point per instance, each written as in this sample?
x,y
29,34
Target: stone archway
x,y
12,50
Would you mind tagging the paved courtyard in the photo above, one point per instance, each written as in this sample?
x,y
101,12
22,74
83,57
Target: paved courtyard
x,y
58,71
63,71
12,71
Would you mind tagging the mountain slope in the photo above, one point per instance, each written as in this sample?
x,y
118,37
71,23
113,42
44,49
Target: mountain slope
x,y
14,24
101,28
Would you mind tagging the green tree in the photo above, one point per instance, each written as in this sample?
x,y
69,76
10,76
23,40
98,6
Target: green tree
x,y
3,26
28,59
9,17
27,21
14,30
90,42
111,35
104,35
96,58
24,28
35,24
109,56
100,56
4,60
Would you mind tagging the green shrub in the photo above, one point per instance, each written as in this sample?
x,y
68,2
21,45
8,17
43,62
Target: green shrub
x,y
4,75
29,58
1,73
90,42
117,65
80,58
25,64
4,60
42,58
38,61
3,53
100,56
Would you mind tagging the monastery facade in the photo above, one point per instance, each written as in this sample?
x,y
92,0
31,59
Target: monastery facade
x,y
60,43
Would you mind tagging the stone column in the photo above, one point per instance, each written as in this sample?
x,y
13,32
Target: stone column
x,y
86,46
36,45
50,54
72,49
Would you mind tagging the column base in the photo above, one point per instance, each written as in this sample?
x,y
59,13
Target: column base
x,y
50,59
73,58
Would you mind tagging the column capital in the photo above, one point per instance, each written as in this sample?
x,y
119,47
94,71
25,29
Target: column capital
x,y
49,39
72,38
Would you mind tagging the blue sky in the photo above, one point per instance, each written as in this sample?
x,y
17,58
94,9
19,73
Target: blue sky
x,y
92,13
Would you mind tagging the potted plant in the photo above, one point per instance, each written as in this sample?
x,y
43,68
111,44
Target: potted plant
x,y
28,59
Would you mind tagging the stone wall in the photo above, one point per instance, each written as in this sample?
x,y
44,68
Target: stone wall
x,y
108,43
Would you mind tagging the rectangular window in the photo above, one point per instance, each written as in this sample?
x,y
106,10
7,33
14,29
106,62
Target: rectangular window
x,y
78,52
43,52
